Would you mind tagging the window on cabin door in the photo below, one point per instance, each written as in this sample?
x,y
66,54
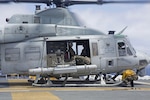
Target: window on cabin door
x,y
94,49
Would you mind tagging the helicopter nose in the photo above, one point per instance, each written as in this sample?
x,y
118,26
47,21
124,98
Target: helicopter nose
x,y
144,59
147,57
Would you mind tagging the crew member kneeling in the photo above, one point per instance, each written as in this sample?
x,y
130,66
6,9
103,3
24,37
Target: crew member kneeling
x,y
128,77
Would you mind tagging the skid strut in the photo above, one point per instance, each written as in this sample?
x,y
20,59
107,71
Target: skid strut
x,y
46,82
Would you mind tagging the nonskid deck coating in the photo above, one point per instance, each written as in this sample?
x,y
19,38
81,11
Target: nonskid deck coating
x,y
20,89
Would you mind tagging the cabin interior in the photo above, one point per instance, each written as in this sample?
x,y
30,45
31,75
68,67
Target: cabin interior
x,y
74,52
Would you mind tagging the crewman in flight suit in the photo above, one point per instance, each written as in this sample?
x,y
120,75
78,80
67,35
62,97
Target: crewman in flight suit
x,y
128,76
71,51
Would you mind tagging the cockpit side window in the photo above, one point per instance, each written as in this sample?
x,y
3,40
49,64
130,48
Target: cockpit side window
x,y
123,49
129,51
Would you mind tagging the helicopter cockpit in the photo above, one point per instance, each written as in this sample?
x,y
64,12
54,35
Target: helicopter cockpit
x,y
125,48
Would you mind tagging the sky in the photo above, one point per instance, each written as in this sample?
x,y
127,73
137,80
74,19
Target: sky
x,y
116,17
103,18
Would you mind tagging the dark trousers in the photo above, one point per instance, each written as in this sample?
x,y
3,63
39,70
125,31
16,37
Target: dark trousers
x,y
132,83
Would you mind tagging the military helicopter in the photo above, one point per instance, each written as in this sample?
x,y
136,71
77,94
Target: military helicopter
x,y
49,43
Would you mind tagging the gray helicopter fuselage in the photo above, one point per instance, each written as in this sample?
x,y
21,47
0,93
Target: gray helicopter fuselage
x,y
21,56
33,41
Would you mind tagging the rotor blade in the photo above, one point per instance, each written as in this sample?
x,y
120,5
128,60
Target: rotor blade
x,y
127,1
5,1
27,1
74,2
61,3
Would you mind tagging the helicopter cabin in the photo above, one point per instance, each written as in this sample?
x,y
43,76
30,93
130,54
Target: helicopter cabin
x,y
75,52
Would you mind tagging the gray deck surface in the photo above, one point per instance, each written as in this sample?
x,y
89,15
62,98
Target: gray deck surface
x,y
19,89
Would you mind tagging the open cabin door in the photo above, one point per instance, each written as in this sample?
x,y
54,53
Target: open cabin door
x,y
64,52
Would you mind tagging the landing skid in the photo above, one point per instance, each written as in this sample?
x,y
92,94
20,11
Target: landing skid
x,y
77,83
93,85
46,82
